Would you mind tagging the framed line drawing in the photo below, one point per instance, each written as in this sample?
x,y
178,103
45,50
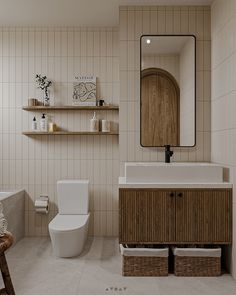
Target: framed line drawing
x,y
84,92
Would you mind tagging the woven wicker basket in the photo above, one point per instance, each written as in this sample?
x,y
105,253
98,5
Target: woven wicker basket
x,y
143,266
188,266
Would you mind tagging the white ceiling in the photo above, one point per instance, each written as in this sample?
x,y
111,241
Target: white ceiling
x,y
164,45
73,12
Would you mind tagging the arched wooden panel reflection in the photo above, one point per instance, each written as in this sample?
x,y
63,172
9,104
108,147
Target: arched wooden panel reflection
x,y
160,97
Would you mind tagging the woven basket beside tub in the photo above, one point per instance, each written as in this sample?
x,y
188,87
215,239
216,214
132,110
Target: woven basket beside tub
x,y
144,261
197,262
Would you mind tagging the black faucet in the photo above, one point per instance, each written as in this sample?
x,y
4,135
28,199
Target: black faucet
x,y
168,153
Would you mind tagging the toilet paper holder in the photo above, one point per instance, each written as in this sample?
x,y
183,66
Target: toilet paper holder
x,y
41,205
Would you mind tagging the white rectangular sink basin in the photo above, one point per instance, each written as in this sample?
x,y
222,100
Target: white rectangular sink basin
x,y
156,172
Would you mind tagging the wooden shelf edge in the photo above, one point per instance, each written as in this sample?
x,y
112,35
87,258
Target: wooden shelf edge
x,y
37,133
70,108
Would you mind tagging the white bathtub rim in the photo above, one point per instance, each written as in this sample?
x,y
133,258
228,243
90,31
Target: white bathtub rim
x,y
8,193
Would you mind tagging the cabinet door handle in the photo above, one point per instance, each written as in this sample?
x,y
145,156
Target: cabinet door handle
x,y
172,195
180,195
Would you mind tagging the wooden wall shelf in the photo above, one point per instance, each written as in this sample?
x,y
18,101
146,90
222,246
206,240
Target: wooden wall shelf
x,y
37,133
71,108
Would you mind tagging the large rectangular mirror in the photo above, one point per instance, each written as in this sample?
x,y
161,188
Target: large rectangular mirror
x,y
168,90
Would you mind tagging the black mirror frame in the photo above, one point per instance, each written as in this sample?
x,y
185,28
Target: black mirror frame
x,y
195,93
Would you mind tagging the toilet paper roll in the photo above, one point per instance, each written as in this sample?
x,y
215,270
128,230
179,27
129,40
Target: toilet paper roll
x,y
42,210
42,205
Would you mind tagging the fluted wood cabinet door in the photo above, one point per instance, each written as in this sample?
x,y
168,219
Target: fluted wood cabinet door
x,y
146,216
204,216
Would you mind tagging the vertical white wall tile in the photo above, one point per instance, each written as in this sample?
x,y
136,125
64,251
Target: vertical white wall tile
x,y
146,22
169,20
57,43
161,20
177,20
123,24
131,27
192,22
184,20
153,21
200,24
138,24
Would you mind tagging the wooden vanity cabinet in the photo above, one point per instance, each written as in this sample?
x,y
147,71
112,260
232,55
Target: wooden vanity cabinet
x,y
181,216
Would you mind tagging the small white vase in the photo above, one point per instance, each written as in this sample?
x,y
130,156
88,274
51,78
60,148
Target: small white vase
x,y
94,123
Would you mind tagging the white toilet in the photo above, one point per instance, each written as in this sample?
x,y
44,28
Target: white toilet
x,y
68,230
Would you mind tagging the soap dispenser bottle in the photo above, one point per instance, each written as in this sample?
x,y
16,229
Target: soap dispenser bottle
x,y
43,123
94,124
34,124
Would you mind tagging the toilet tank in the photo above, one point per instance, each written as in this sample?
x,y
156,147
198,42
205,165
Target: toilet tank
x,y
73,196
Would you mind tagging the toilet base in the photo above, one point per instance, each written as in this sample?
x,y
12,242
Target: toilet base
x,y
69,243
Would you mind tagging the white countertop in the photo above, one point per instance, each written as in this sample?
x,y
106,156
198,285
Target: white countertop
x,y
124,184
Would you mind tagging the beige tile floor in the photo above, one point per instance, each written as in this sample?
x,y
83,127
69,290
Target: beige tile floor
x,y
35,271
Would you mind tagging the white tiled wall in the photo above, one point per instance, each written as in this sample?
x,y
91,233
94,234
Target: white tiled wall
x,y
224,95
187,92
37,163
138,20
62,53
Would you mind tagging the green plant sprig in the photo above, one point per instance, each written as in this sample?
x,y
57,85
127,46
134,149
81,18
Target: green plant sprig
x,y
43,82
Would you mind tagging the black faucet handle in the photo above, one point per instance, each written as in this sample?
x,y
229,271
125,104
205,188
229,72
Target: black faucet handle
x,y
168,153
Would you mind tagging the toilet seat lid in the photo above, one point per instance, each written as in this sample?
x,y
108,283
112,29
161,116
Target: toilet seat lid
x,y
64,222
